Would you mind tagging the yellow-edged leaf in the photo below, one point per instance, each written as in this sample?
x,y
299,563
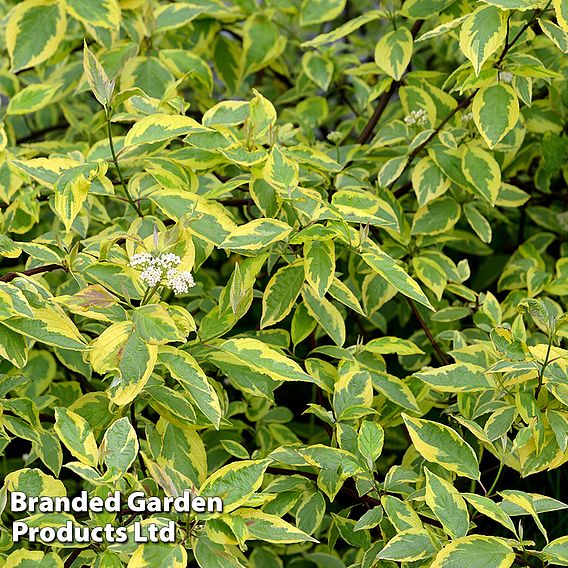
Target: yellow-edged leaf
x,y
159,127
441,444
393,52
482,33
34,31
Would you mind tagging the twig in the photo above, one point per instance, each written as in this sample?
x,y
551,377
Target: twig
x,y
319,395
9,276
464,103
236,202
72,557
367,132
118,170
134,422
441,355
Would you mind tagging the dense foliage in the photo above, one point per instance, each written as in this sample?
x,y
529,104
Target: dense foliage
x,y
306,256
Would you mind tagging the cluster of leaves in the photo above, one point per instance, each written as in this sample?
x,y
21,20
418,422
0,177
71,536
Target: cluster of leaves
x,y
372,201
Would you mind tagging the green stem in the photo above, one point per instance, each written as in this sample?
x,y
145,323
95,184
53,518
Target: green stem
x,y
544,365
118,170
149,294
496,480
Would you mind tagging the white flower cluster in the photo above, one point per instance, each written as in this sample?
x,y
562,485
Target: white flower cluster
x,y
505,76
418,117
163,269
335,136
467,116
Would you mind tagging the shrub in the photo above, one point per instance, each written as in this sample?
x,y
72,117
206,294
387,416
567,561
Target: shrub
x,y
308,257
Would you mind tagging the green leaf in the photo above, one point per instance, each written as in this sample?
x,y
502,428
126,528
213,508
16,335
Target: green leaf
x,y
318,11
370,441
159,555
72,187
121,351
343,30
352,389
395,390
394,274
478,222
261,43
326,314
98,13
482,33
370,519
447,504
153,77
279,171
482,172
234,483
385,345
76,434
185,370
270,528
310,513
212,555
490,509
28,558
392,170
173,16
475,552
556,34
227,113
457,378
514,4
319,264
431,274
495,112
32,98
281,293
34,31
97,78
158,127
360,206
207,220
119,447
408,546
421,9
393,52
49,326
256,235
561,11
557,551
428,181
318,68
438,216
257,356
442,445
155,325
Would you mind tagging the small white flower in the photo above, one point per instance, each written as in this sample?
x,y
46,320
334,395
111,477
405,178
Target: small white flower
x,y
467,116
418,117
151,275
180,281
505,76
335,136
141,259
162,270
168,260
